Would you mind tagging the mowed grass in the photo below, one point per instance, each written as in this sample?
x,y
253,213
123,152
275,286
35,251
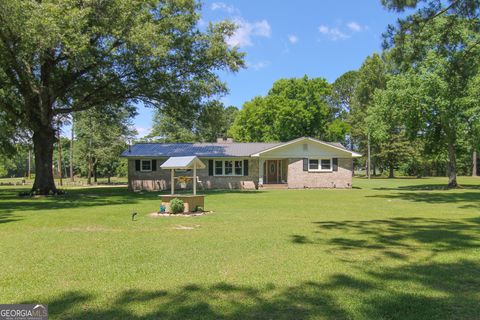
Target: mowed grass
x,y
387,249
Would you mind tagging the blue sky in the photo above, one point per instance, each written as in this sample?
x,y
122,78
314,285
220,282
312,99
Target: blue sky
x,y
285,39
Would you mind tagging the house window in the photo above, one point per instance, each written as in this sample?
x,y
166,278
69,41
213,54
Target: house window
x,y
228,167
313,164
326,164
146,165
239,168
218,168
320,164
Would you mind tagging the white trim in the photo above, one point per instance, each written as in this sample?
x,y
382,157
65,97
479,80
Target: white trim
x,y
353,154
320,165
182,163
141,165
233,167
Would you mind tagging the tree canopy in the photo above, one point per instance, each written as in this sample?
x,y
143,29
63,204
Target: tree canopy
x,y
292,108
212,122
437,51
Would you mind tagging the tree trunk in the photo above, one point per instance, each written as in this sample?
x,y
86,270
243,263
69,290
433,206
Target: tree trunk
x,y
452,166
72,179
95,172
43,140
390,171
89,171
474,167
29,163
59,156
369,158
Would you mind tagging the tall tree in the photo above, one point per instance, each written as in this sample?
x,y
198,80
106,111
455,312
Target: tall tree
x,y
292,108
385,122
214,121
372,76
58,57
211,122
102,134
168,128
437,49
342,98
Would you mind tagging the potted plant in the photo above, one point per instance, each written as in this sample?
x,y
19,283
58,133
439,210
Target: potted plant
x,y
183,180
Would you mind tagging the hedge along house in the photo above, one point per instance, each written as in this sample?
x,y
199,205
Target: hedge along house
x,y
297,164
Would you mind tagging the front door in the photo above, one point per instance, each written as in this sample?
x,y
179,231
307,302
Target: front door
x,y
272,171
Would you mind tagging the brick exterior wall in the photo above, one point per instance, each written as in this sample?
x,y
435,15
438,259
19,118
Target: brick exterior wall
x,y
297,178
160,179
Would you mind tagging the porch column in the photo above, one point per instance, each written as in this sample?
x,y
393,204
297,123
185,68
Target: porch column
x,y
172,181
194,178
261,163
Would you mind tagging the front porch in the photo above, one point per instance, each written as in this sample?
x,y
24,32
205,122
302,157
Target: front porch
x,y
273,173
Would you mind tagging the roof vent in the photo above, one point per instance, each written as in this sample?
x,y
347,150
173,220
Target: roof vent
x,y
305,147
224,140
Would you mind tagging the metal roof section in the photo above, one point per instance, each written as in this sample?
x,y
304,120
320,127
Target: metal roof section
x,y
183,163
213,150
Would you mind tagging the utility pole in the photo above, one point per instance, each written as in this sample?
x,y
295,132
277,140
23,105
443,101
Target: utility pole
x,y
369,157
474,167
29,163
72,179
59,155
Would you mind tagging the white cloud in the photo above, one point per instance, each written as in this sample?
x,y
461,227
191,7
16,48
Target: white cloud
x,y
224,7
355,27
333,33
292,39
246,30
142,132
258,65
323,29
341,31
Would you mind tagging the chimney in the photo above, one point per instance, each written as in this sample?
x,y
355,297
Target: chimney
x,y
224,140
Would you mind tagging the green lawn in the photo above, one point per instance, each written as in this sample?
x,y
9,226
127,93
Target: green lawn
x,y
387,249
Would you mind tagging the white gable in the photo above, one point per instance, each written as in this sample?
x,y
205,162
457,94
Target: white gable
x,y
306,148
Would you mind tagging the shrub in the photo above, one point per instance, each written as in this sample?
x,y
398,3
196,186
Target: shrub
x,y
198,209
176,205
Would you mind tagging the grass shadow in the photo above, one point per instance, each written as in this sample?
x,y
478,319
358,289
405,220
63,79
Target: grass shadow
x,y
218,301
393,237
469,199
432,186
429,290
73,198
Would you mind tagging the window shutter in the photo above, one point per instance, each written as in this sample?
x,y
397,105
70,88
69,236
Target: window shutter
x,y
305,164
154,165
210,167
137,165
245,167
335,164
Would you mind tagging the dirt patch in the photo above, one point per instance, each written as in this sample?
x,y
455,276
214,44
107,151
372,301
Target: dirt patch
x,y
91,229
180,227
186,214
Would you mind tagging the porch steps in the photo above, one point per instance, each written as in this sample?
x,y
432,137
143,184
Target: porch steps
x,y
275,186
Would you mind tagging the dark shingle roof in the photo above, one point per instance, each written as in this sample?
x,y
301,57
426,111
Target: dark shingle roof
x,y
198,149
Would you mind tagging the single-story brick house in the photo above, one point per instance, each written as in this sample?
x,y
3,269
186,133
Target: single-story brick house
x,y
300,163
